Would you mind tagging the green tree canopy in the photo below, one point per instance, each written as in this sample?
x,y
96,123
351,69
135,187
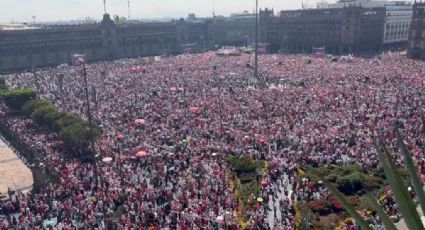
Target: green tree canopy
x,y
77,134
3,83
16,98
244,164
51,119
65,121
40,115
74,135
33,105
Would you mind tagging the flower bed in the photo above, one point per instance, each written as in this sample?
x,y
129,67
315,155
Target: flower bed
x,y
327,212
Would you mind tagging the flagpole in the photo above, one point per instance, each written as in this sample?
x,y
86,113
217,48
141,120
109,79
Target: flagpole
x,y
90,125
104,6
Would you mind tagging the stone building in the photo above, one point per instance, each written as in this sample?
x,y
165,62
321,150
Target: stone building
x,y
340,30
55,44
416,47
231,31
397,23
398,16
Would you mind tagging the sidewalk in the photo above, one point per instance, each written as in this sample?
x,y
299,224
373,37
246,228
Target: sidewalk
x,y
14,173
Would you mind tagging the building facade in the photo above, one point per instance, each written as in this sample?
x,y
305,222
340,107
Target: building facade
x,y
416,47
339,30
398,16
233,31
54,45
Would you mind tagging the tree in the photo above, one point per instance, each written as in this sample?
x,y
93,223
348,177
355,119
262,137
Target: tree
x,y
3,83
16,98
350,183
65,121
51,119
74,135
243,164
402,195
40,115
32,105
77,134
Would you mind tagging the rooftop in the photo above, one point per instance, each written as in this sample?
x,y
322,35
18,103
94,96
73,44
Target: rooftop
x,y
17,27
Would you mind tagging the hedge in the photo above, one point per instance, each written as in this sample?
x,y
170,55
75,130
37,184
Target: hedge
x,y
16,98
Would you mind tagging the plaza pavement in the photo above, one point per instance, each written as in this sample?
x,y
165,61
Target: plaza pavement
x,y
14,173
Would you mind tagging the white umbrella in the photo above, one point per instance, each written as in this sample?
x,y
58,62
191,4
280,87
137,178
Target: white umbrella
x,y
107,159
220,218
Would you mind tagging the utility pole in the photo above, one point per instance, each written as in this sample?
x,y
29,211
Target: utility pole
x,y
219,96
184,93
256,41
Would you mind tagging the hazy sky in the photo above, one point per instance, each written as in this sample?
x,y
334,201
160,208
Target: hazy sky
x,y
54,10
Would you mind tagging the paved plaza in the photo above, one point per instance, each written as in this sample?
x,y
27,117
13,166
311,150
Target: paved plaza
x,y
14,173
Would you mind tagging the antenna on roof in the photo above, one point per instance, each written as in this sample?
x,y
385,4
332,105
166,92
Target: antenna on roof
x,y
129,12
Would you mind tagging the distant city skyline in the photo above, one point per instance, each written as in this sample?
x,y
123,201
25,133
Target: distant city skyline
x,y
65,10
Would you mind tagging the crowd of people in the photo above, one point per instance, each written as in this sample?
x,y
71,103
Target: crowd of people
x,y
187,113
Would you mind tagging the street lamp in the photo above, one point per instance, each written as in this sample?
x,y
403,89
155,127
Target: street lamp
x,y
184,93
90,125
219,98
120,161
256,40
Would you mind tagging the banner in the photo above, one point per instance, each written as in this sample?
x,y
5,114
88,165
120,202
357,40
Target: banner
x,y
78,59
319,52
262,48
189,48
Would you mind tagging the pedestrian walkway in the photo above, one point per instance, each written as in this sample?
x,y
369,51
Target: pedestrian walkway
x,y
279,194
14,174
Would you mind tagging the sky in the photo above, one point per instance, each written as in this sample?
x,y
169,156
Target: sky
x,y
57,10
